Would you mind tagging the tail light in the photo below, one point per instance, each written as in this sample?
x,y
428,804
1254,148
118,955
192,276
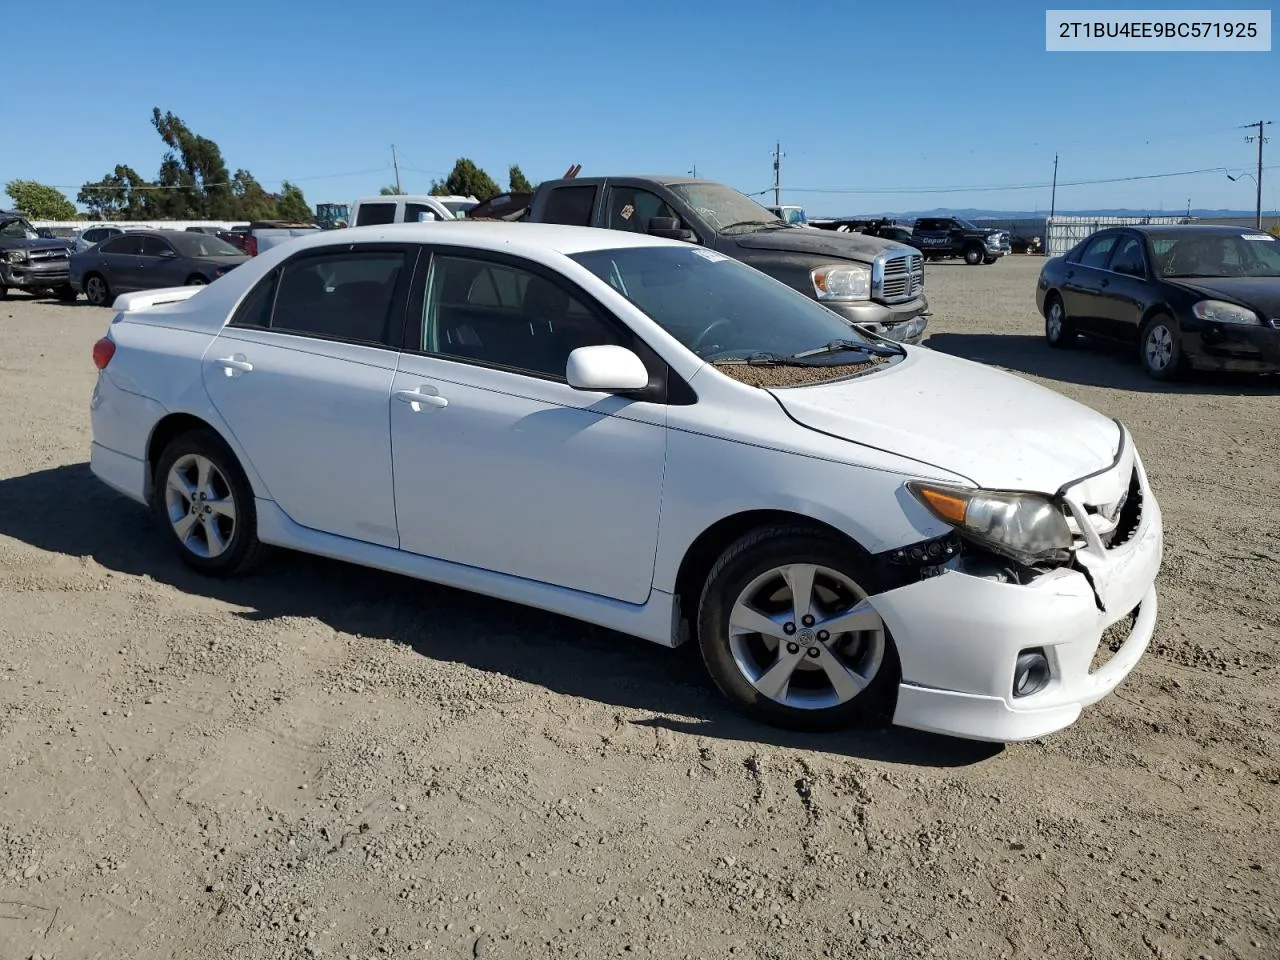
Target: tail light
x,y
103,350
251,245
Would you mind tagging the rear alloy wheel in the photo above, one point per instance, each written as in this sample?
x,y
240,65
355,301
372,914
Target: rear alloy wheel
x,y
195,280
973,256
205,500
1058,329
96,290
1161,348
787,634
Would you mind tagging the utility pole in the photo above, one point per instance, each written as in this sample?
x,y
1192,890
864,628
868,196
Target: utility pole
x,y
694,172
395,163
1053,197
1257,223
777,173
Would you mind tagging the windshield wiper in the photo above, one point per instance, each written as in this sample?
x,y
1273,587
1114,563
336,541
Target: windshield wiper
x,y
746,223
765,359
840,346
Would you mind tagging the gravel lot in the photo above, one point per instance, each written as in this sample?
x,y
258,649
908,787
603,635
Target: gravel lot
x,y
324,761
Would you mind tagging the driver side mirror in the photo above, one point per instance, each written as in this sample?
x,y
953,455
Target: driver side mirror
x,y
168,254
669,228
607,368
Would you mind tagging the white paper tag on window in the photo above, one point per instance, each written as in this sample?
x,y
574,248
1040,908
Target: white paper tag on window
x,y
710,255
1258,236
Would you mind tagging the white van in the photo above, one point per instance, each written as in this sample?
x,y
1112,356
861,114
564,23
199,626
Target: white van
x,y
408,208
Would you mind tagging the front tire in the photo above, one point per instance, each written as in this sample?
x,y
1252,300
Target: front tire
x,y
204,500
1059,331
66,293
787,635
973,256
1160,349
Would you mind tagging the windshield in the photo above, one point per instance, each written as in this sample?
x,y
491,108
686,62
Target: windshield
x,y
19,229
967,224
718,307
723,207
203,245
1216,255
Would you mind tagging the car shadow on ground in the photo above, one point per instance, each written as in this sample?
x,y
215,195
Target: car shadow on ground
x,y
1090,363
554,652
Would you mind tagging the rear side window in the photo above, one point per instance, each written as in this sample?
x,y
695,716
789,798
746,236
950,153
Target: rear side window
x,y
570,206
375,213
255,309
340,296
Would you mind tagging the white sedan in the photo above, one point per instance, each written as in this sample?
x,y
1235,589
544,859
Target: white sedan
x,y
649,436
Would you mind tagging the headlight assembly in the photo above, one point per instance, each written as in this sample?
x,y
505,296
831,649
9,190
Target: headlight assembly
x,y
18,256
1026,527
1219,311
841,281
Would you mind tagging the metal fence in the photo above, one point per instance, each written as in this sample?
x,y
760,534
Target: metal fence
x,y
1063,233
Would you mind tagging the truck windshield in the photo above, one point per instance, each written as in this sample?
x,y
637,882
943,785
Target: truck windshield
x,y
18,229
718,307
723,207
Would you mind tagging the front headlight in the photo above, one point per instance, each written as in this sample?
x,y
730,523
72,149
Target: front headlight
x,y
1027,527
18,256
841,281
1219,311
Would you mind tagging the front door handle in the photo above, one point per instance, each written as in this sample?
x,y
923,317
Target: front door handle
x,y
233,365
417,400
1105,282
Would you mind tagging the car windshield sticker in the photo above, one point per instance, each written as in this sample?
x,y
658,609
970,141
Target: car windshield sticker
x,y
1257,236
710,255
627,211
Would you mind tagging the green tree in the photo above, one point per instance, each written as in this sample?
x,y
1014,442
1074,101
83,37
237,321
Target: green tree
x,y
121,195
517,182
252,201
390,191
292,205
193,168
40,202
467,180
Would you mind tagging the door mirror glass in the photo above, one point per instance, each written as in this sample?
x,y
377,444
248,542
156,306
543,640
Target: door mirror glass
x,y
607,368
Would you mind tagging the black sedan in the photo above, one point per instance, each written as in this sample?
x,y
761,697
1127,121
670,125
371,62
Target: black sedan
x,y
1188,296
148,260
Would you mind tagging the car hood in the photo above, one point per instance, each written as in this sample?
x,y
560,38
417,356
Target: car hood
x,y
1260,293
822,243
995,428
20,243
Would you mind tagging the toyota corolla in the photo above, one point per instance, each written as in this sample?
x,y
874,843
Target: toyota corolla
x,y
653,437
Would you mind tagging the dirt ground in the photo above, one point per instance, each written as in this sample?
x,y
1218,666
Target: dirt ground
x,y
321,761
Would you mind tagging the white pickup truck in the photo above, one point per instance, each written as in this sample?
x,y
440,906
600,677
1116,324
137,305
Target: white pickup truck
x,y
408,208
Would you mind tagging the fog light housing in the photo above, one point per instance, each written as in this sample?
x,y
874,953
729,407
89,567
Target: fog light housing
x,y
1030,672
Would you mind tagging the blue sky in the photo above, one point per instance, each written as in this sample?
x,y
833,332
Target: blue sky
x,y
863,96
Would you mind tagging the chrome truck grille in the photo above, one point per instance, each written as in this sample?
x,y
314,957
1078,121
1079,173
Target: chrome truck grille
x,y
49,256
897,277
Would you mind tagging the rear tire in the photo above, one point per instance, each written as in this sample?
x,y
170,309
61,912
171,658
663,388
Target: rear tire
x,y
204,500
96,290
195,280
1059,331
791,672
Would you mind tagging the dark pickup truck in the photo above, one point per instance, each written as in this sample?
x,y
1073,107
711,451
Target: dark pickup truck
x,y
940,238
29,262
874,283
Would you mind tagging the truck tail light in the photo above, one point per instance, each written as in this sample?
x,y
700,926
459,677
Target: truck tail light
x,y
103,350
251,245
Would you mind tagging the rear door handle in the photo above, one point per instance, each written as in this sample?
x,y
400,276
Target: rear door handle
x,y
417,400
234,365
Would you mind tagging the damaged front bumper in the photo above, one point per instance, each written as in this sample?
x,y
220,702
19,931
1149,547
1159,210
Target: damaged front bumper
x,y
959,635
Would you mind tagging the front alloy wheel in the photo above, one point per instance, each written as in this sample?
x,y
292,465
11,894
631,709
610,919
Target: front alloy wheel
x,y
1161,349
1058,330
787,632
96,290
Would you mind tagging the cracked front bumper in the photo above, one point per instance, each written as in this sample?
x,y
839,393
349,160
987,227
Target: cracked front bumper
x,y
959,636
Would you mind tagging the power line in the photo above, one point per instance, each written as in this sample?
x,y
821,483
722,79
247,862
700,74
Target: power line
x,y
992,188
225,183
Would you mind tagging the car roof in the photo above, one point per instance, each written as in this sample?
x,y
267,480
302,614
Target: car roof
x,y
1200,228
491,235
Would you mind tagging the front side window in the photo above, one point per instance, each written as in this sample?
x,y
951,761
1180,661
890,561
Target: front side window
x,y
718,307
1098,252
340,296
155,247
1128,257
502,315
631,209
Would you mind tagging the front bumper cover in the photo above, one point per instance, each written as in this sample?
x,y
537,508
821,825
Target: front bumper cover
x,y
959,635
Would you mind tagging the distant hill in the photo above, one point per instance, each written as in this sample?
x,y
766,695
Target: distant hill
x,y
973,213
